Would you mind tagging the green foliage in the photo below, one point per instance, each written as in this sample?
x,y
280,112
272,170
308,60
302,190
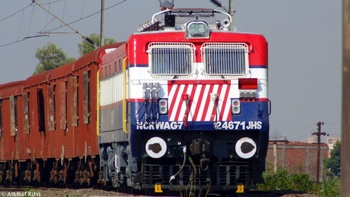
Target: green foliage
x,y
86,47
50,57
330,187
332,164
284,180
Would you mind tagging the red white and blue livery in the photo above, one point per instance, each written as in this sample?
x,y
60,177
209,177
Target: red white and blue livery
x,y
184,105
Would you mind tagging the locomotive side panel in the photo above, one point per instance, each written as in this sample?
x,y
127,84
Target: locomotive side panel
x,y
112,87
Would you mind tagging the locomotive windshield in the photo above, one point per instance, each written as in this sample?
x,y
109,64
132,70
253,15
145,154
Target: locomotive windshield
x,y
171,58
230,59
225,58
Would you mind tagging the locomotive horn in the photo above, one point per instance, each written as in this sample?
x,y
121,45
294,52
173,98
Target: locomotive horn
x,y
225,23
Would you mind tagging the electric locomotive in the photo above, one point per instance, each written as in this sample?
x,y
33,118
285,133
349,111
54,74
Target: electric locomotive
x,y
184,106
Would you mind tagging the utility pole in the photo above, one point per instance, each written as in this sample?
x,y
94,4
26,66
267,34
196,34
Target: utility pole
x,y
345,136
102,28
275,153
231,11
275,141
318,134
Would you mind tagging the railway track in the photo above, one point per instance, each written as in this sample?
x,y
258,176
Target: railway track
x,y
87,192
56,192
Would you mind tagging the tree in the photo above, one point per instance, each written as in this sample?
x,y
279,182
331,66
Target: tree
x,y
86,47
332,164
50,57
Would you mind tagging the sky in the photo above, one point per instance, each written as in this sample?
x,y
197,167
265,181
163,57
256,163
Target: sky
x,y
304,48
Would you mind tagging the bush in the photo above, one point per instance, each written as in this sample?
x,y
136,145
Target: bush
x,y
285,180
330,187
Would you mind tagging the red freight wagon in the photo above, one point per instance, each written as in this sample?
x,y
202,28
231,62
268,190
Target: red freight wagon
x,y
11,125
49,124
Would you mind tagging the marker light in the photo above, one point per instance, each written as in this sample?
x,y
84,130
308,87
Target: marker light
x,y
163,106
197,29
248,83
248,94
236,106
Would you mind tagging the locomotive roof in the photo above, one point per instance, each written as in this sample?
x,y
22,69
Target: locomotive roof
x,y
192,11
177,18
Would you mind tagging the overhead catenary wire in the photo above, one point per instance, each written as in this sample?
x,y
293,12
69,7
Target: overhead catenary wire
x,y
52,2
47,24
20,25
47,16
48,32
31,19
76,31
82,9
64,9
9,16
88,16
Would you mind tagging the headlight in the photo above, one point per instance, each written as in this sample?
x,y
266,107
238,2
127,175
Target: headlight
x,y
197,29
156,147
245,147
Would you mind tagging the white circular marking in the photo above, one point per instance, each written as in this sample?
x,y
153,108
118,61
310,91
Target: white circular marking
x,y
246,141
156,147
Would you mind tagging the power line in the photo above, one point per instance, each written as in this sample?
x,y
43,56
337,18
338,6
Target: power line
x,y
309,126
51,2
46,33
20,25
88,16
10,43
31,19
9,16
76,31
64,9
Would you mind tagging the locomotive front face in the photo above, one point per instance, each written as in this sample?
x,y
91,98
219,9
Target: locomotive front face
x,y
195,107
183,96
204,99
